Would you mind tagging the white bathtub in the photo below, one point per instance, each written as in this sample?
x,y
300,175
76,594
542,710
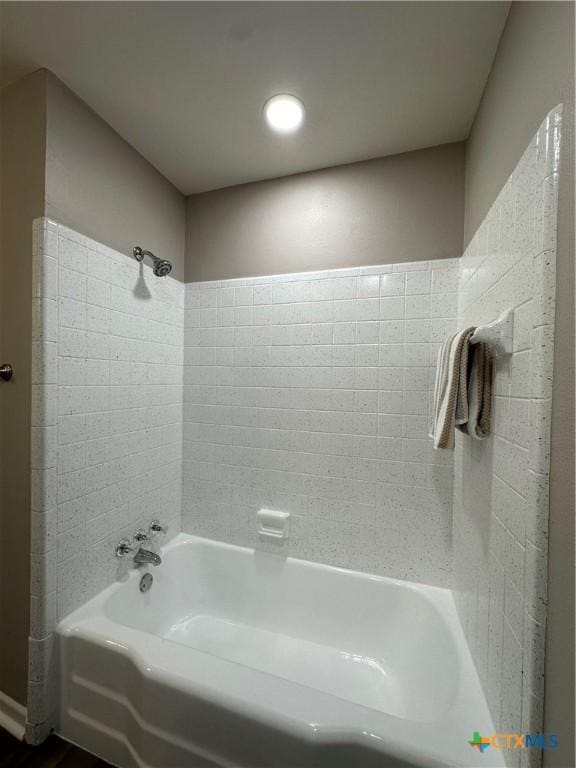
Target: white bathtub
x,y
239,658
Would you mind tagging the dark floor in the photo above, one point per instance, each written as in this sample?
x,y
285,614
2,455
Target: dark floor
x,y
54,753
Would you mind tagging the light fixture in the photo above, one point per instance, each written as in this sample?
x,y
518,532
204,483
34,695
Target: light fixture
x,y
284,113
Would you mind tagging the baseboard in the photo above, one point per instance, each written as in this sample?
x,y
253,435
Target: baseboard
x,y
12,716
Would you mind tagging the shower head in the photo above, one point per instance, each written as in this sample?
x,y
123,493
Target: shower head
x,y
160,267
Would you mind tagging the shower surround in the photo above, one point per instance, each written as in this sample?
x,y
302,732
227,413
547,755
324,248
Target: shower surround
x,y
501,485
310,394
306,393
106,427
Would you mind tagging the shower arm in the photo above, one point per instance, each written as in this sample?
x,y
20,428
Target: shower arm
x,y
139,253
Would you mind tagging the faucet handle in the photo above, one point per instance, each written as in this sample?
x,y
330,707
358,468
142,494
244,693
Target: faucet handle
x,y
124,548
141,535
156,528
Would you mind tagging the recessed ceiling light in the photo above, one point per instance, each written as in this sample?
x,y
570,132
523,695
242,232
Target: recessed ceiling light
x,y
284,113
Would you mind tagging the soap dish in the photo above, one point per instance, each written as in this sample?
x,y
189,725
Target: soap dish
x,y
273,524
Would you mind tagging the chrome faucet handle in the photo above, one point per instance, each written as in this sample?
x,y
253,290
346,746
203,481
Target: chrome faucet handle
x,y
156,528
141,535
124,548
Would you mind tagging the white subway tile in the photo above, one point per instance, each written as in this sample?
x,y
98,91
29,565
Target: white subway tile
x,y
344,288
367,309
44,277
44,320
367,287
418,306
392,285
72,255
243,297
44,364
417,282
392,308
444,280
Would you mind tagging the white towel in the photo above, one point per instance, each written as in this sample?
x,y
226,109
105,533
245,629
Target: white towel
x,y
479,393
450,392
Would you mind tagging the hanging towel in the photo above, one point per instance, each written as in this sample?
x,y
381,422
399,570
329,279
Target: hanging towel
x,y
479,392
451,390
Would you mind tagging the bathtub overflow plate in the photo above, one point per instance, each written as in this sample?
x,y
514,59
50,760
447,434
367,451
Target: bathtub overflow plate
x,y
146,582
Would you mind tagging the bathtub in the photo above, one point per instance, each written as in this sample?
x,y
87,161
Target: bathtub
x,y
240,658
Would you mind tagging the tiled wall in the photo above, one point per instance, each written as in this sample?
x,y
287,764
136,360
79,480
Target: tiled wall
x,y
310,394
501,485
107,422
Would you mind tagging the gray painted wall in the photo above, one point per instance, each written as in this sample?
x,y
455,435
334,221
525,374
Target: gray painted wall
x,y
101,186
532,72
22,144
405,207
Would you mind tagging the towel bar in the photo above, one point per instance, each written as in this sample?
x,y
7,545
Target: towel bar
x,y
499,334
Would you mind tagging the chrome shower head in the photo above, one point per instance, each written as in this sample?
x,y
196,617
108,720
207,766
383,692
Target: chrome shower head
x,y
160,267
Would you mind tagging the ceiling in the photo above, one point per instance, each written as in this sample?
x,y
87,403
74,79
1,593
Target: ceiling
x,y
184,82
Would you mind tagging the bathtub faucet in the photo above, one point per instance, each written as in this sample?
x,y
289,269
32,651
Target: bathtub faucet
x,y
135,545
146,557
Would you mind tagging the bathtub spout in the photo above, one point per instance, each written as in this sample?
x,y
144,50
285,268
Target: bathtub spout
x,y
145,557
